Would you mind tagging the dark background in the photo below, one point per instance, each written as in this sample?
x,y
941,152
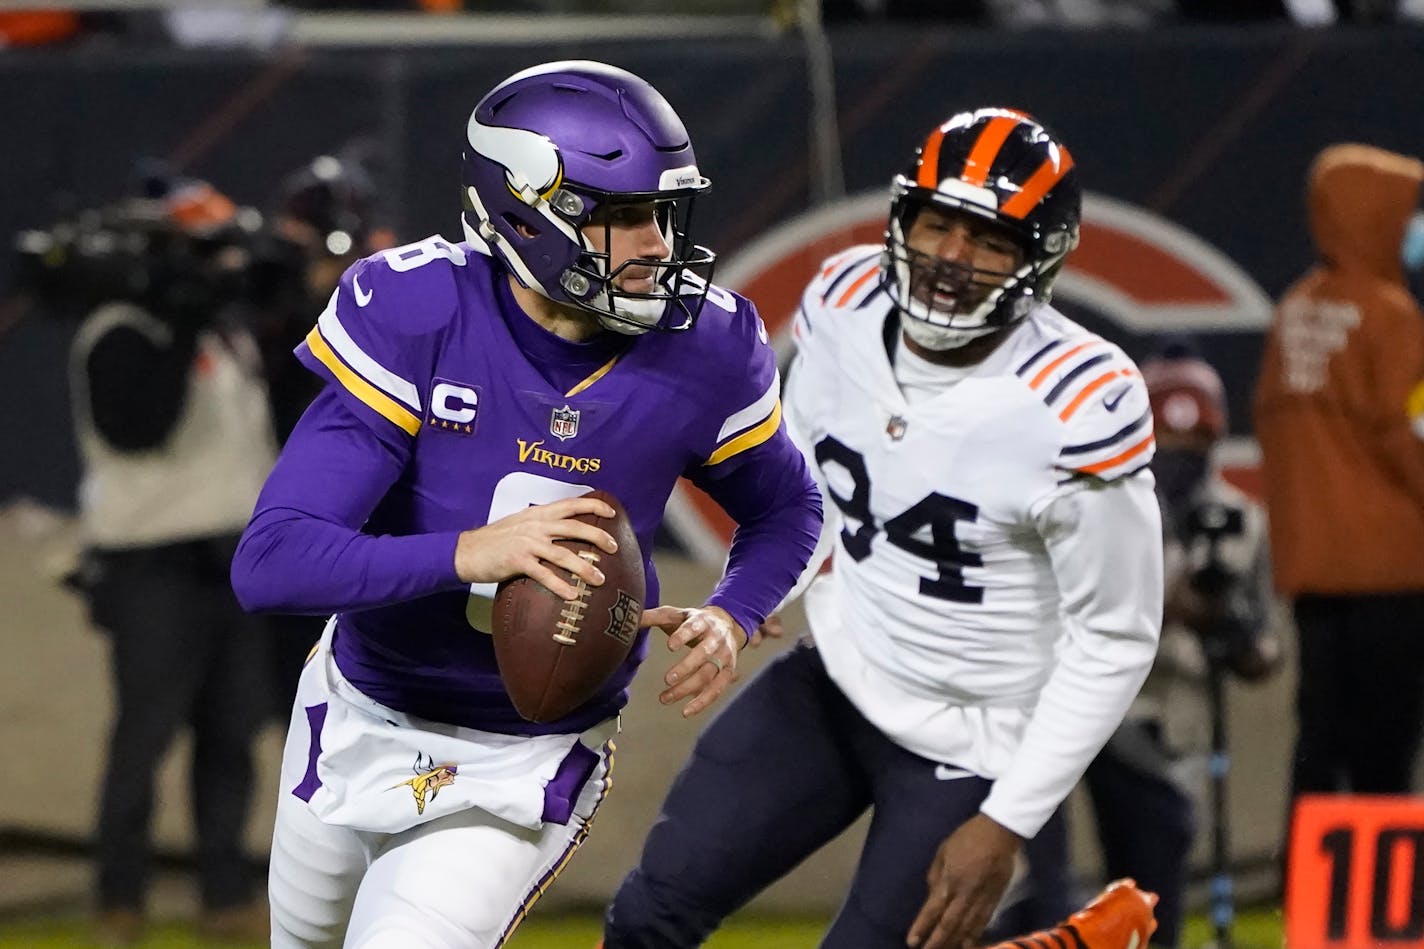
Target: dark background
x,y
1211,127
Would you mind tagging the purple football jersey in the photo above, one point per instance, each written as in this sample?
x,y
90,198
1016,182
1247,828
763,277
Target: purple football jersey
x,y
427,342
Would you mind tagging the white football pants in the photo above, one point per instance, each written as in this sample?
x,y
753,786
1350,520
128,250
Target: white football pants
x,y
459,881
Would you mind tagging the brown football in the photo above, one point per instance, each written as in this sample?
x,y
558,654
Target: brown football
x,y
554,654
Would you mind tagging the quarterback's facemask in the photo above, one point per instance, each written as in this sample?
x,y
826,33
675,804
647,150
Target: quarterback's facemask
x,y
552,146
1002,167
635,289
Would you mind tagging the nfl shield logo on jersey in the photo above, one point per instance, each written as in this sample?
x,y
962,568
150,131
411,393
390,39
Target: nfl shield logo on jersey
x,y
895,428
563,423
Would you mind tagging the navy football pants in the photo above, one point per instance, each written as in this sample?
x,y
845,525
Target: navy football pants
x,y
782,770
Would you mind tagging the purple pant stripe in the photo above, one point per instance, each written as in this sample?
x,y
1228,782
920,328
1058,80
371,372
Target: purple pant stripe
x,y
316,718
561,792
548,878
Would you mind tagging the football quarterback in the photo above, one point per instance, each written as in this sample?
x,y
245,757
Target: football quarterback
x,y
476,393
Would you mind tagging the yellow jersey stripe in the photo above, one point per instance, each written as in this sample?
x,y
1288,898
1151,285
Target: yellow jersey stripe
x,y
360,388
598,373
750,438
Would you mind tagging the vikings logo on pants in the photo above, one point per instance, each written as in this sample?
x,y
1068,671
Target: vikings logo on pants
x,y
429,777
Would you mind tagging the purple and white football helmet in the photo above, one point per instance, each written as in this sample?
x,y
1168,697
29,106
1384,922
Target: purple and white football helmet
x,y
550,145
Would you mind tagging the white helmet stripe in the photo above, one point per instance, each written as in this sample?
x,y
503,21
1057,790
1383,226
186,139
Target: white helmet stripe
x,y
546,211
501,246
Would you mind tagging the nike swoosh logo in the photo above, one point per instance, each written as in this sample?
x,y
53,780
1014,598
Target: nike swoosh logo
x,y
1111,403
361,298
944,772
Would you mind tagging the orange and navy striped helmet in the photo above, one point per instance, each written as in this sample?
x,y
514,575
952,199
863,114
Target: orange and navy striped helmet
x,y
1001,165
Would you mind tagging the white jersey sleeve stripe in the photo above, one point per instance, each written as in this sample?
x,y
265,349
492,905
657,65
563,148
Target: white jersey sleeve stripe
x,y
354,383
373,372
754,413
751,438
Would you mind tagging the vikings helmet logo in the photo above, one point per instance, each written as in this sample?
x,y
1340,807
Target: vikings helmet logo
x,y
429,779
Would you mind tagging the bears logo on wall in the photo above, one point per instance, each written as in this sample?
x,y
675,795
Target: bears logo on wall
x,y
1135,276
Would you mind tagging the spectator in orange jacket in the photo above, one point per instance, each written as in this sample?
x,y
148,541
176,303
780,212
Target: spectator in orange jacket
x,y
1340,418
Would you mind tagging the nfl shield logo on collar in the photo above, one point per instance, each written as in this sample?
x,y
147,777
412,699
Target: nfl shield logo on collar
x,y
563,423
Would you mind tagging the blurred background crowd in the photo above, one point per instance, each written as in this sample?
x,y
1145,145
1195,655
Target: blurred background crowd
x,y
187,182
264,22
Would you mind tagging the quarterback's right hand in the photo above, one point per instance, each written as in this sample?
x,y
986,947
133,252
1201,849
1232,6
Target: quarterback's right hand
x,y
523,543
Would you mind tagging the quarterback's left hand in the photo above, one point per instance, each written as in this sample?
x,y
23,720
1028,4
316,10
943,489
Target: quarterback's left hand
x,y
771,628
711,665
970,872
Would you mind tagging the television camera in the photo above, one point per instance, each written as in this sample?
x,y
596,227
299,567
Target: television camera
x,y
138,250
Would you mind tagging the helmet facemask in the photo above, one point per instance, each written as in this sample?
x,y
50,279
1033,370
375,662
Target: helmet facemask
x,y
563,218
670,289
1001,169
944,303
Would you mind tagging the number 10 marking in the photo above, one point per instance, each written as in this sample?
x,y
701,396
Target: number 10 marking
x,y
1338,845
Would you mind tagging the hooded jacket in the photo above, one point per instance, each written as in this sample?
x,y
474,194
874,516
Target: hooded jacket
x,y
1343,373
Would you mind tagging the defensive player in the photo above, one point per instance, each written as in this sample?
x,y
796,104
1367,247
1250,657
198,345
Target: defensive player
x,y
475,390
996,594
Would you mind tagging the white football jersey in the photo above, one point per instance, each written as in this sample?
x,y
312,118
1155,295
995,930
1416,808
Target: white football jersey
x,y
996,591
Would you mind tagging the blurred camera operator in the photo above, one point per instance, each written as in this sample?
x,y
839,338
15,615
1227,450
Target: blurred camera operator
x,y
322,220
175,440
1217,555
